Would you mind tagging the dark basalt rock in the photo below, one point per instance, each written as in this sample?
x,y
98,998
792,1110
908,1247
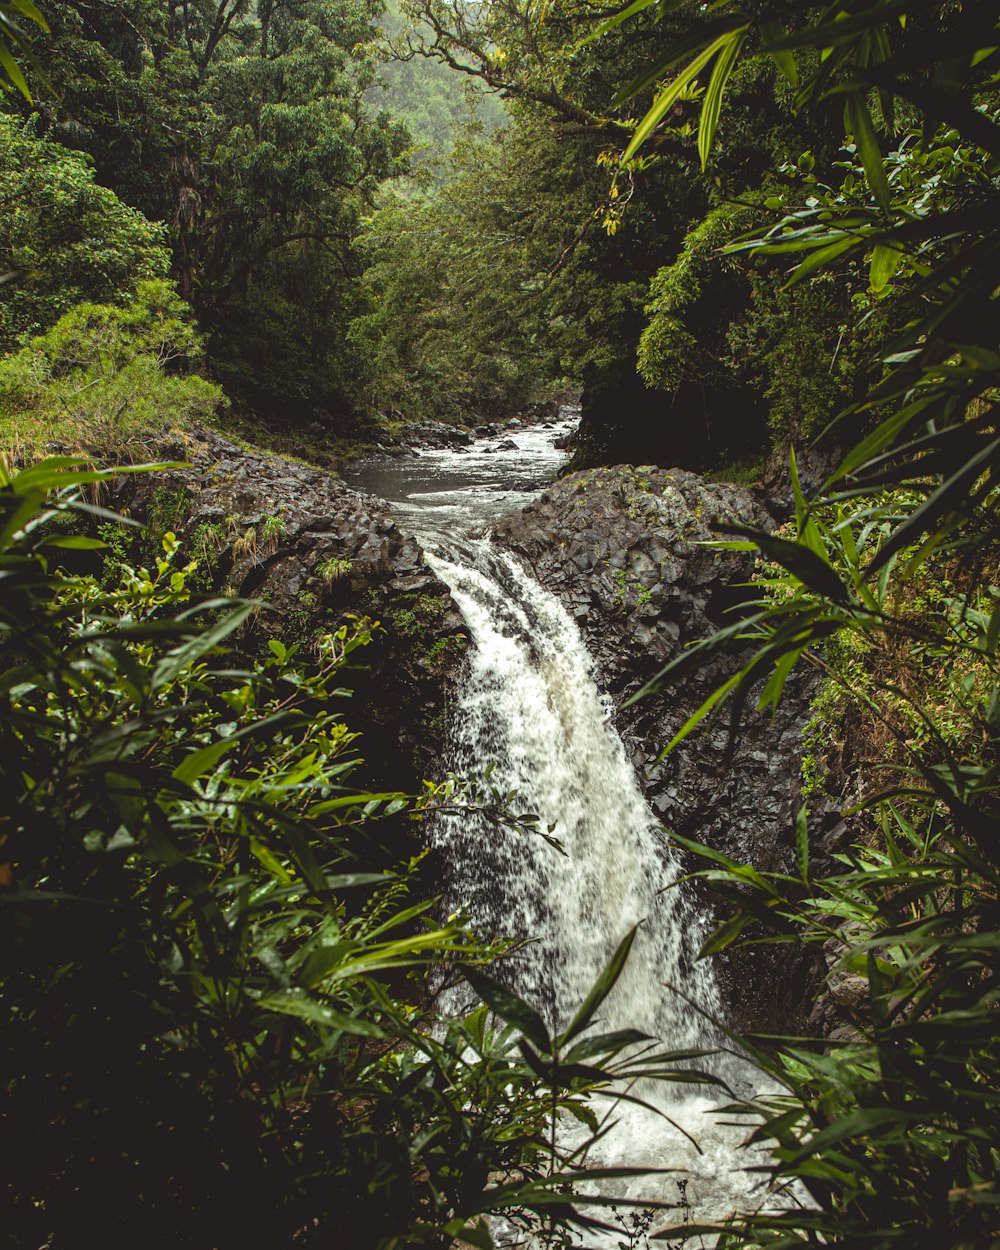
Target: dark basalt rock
x,y
623,548
316,551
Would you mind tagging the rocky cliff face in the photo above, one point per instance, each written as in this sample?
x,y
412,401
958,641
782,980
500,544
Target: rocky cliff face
x,y
265,527
622,548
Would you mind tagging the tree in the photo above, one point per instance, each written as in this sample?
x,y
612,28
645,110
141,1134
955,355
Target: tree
x,y
67,238
248,134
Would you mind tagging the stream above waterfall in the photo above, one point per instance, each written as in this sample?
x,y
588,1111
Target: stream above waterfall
x,y
531,711
448,492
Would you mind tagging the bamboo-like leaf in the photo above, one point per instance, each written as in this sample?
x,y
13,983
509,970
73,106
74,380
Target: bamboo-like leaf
x,y
724,935
696,717
510,1007
842,29
712,105
858,120
601,988
771,34
678,50
885,262
194,649
30,10
605,1043
610,23
950,494
314,1011
811,569
670,94
821,257
993,631
14,71
856,1124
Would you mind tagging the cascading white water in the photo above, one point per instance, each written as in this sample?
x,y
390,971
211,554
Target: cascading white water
x,y
531,708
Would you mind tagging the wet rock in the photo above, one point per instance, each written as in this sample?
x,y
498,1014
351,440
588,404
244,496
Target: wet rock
x,y
434,435
317,551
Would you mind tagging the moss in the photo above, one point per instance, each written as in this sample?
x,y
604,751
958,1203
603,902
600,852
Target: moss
x,y
446,649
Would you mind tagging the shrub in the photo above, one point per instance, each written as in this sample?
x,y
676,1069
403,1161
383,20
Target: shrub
x,y
107,376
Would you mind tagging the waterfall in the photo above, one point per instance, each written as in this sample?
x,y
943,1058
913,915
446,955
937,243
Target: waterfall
x,y
531,708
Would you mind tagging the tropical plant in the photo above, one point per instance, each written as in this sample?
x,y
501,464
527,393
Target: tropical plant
x,y
64,237
13,39
211,1032
886,583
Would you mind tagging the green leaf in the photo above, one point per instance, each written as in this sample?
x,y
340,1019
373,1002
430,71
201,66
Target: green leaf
x,y
601,988
696,717
802,841
950,494
478,1234
73,542
176,661
810,568
771,33
203,761
14,72
856,1124
605,1044
508,1006
724,935
821,257
858,120
313,1011
993,631
884,264
637,6
712,105
670,94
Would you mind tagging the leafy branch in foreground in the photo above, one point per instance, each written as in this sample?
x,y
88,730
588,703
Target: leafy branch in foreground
x,y
918,200
889,1127
14,41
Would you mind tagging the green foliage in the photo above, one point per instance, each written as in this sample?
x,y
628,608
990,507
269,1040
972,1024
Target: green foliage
x,y
106,375
444,650
247,132
211,1033
890,1129
13,38
668,352
66,238
332,570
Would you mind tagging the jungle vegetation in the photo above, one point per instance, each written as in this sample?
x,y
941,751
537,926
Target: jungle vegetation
x,y
780,218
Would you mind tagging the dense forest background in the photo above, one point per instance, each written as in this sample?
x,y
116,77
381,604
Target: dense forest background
x,y
423,214
735,231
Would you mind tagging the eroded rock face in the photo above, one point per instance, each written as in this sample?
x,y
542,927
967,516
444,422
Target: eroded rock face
x,y
622,548
294,536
